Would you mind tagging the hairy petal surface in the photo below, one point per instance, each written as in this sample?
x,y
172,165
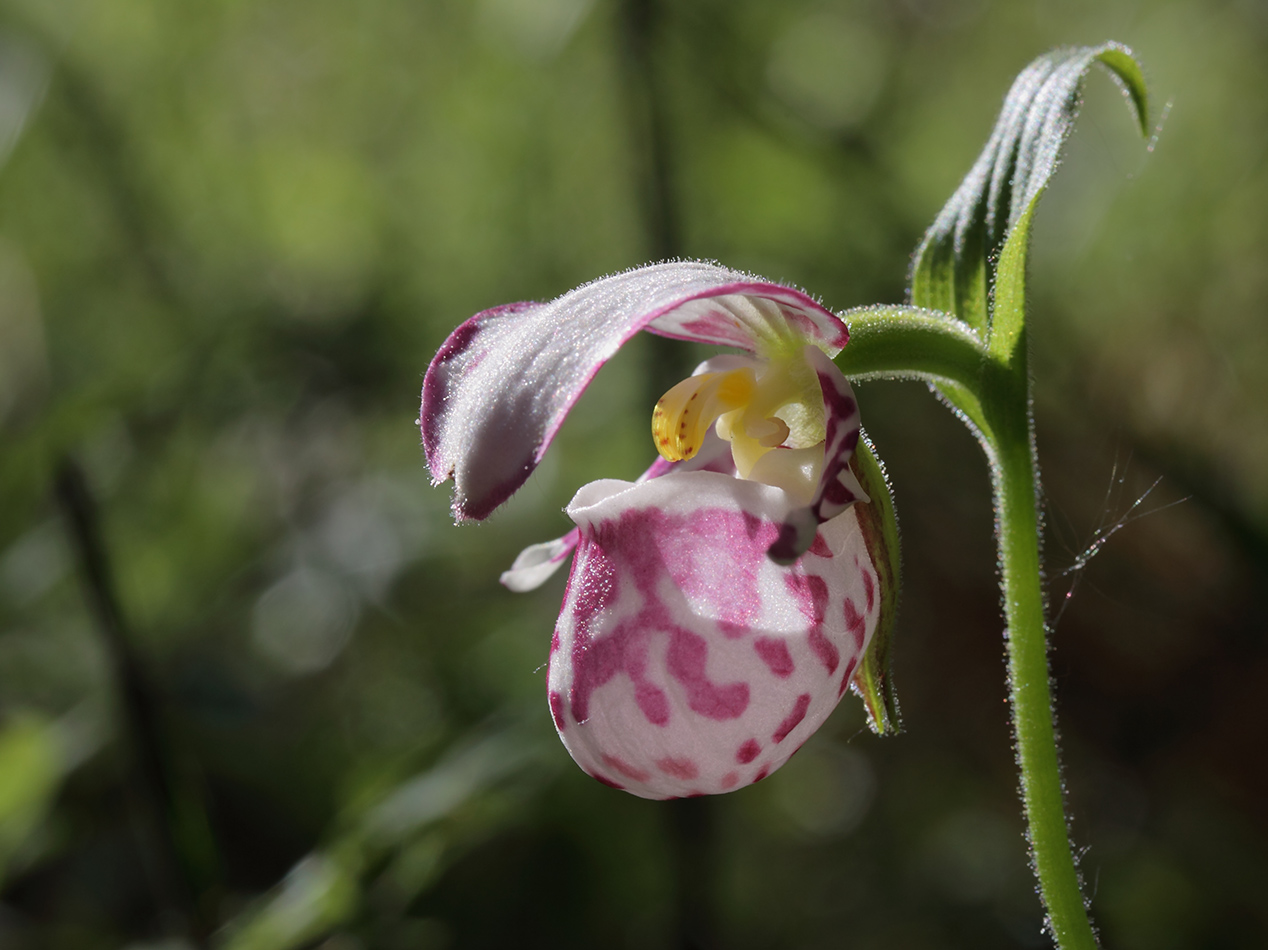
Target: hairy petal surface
x,y
685,661
500,386
537,563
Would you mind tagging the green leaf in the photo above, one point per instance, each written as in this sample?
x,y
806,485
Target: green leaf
x,y
873,682
972,263
988,218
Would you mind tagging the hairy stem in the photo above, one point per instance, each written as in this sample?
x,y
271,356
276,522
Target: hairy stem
x,y
1015,481
992,391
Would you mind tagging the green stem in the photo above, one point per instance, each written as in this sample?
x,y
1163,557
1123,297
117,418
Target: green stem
x,y
992,391
910,343
1015,480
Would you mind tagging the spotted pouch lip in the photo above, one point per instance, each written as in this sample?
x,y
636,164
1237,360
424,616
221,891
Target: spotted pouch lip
x,y
685,661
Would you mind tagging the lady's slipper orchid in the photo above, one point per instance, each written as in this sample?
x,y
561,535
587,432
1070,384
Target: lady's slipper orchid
x,y
719,606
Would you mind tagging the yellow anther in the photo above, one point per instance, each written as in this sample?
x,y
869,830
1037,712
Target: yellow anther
x,y
683,415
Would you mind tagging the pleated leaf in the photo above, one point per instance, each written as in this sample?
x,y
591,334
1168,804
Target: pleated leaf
x,y
972,260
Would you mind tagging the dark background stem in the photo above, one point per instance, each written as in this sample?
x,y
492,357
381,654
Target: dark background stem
x,y
690,822
641,25
150,788
641,29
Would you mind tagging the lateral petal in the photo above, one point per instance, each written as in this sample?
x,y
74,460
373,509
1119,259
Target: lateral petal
x,y
537,563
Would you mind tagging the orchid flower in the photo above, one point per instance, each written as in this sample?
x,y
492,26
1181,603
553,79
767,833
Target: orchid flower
x,y
719,606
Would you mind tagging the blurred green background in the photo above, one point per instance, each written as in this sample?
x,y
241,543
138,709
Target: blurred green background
x,y
232,235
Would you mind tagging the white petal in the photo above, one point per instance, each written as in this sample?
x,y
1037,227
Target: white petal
x,y
500,386
537,562
685,661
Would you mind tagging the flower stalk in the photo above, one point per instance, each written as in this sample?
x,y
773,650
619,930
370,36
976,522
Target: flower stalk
x,y
993,397
1015,483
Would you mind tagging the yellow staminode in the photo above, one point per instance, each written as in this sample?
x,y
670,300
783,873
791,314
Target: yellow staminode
x,y
683,415
765,405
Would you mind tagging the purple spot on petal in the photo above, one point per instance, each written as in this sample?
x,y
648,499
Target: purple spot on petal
x,y
678,767
856,623
811,592
686,662
793,719
629,771
653,703
762,773
774,653
557,709
845,678
749,751
836,494
824,650
594,661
